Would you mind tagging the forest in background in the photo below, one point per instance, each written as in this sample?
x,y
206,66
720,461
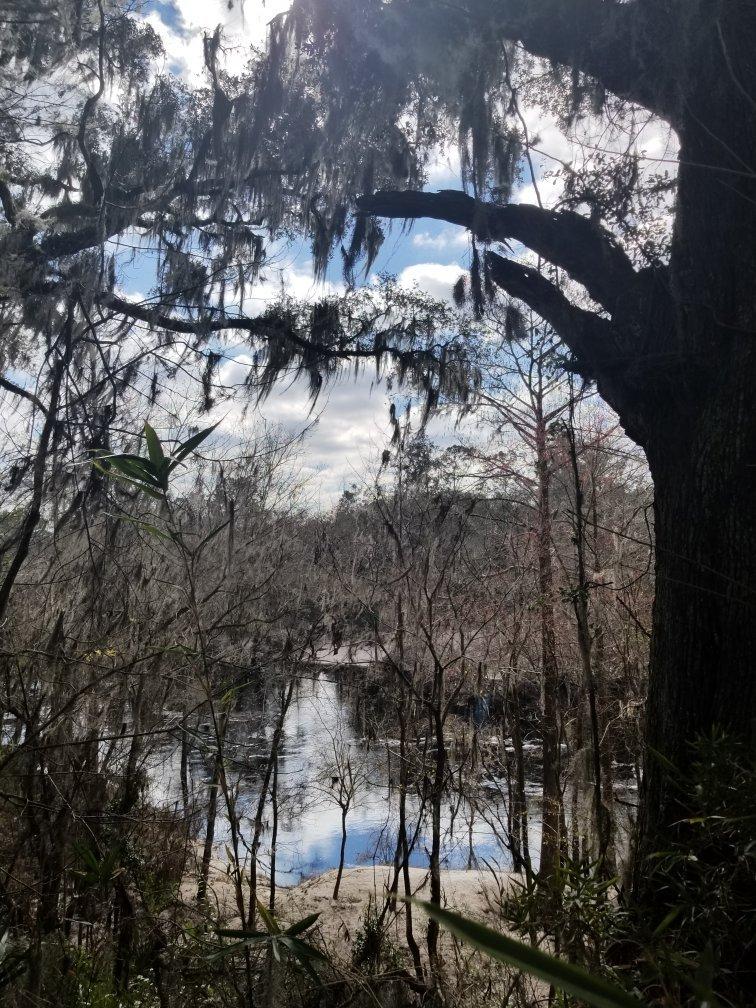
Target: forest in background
x,y
541,629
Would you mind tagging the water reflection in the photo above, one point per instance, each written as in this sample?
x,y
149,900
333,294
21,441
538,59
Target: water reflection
x,y
309,824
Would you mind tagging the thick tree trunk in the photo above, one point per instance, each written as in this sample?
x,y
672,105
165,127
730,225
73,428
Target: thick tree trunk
x,y
701,434
703,651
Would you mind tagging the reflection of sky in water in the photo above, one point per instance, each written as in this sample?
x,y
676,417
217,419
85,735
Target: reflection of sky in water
x,y
309,826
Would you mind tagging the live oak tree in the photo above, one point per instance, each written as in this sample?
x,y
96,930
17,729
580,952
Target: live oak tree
x,y
667,334
104,152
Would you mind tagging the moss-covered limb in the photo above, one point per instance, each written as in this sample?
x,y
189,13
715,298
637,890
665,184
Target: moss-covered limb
x,y
591,338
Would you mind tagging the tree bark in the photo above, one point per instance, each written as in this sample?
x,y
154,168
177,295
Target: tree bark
x,y
701,438
552,796
704,617
342,851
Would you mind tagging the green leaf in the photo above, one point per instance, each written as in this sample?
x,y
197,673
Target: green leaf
x,y
224,951
276,950
242,935
134,466
668,919
151,529
301,926
154,448
136,469
572,979
139,485
270,921
302,950
190,444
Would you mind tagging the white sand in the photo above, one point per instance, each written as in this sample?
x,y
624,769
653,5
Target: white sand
x,y
474,893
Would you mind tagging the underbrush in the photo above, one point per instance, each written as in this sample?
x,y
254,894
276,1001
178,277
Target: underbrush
x,y
690,940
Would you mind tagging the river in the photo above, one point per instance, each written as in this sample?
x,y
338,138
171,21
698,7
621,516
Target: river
x,y
322,718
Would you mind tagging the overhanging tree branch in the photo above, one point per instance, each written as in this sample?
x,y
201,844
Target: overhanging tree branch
x,y
594,341
266,327
586,251
587,335
357,339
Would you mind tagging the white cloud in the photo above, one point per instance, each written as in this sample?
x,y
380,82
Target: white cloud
x,y
436,279
295,281
443,169
347,428
545,134
549,190
451,238
244,24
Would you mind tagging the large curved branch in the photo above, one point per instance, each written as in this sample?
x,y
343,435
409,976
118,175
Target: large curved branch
x,y
593,340
58,244
154,316
267,327
586,251
589,337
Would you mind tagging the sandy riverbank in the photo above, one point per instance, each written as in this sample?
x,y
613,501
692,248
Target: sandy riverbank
x,y
473,893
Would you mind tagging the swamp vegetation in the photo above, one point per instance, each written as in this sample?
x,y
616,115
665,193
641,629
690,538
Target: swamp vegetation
x,y
480,729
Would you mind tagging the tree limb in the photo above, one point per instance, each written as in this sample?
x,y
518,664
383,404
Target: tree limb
x,y
587,335
10,386
595,341
267,327
587,252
